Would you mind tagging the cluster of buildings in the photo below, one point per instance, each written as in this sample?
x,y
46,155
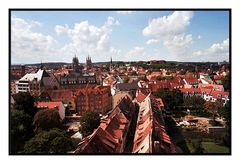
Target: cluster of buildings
x,y
133,126
131,117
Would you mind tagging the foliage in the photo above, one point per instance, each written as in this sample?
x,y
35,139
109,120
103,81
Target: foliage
x,y
213,107
47,119
144,78
133,73
172,98
225,112
89,121
159,78
20,130
45,142
226,82
182,72
125,79
24,101
194,102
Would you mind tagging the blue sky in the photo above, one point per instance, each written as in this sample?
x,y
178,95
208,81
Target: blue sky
x,y
56,36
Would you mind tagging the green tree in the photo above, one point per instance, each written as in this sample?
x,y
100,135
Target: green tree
x,y
213,107
158,78
182,72
21,130
194,102
225,112
226,82
49,142
125,79
144,78
24,101
133,73
172,98
47,119
89,121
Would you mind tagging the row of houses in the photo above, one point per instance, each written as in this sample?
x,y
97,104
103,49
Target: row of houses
x,y
207,94
111,135
148,129
150,135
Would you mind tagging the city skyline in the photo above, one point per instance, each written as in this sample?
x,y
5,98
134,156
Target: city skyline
x,y
57,36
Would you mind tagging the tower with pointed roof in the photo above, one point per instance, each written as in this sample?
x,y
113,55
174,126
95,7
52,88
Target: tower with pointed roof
x,y
111,65
75,64
88,62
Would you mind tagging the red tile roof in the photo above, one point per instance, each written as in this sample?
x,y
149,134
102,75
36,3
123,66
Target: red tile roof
x,y
140,97
191,80
206,90
190,90
50,104
219,94
61,94
110,136
93,90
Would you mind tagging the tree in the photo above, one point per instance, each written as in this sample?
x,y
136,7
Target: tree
x,y
171,98
182,72
133,73
225,112
24,101
226,82
158,78
194,102
47,119
144,78
89,121
125,79
213,107
45,142
21,130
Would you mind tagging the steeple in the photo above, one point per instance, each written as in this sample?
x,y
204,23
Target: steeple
x,y
41,65
75,64
111,64
88,62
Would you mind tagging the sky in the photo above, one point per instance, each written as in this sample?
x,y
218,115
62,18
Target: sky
x,y
57,36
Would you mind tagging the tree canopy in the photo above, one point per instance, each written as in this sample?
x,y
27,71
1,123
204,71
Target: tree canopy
x,y
89,121
171,98
47,119
24,101
194,102
225,112
125,79
226,82
213,107
45,142
20,130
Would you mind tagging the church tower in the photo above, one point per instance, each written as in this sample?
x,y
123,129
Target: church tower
x,y
111,65
88,62
75,64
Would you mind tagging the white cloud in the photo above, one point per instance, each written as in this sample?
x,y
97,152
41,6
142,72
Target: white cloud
x,y
216,52
178,44
170,30
199,36
136,51
27,43
152,41
61,29
89,39
173,24
125,12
